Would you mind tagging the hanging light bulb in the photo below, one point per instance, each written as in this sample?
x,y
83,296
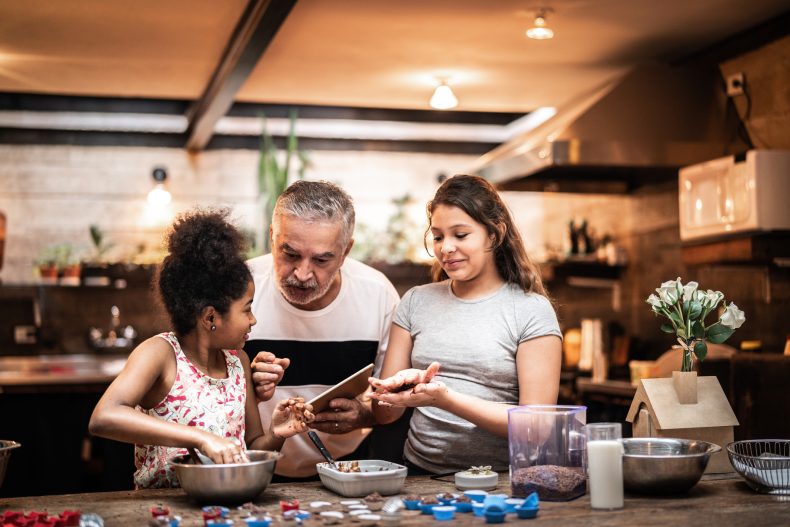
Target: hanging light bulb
x,y
540,31
159,195
443,97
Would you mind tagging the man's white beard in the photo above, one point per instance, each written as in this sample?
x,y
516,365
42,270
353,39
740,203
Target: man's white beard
x,y
301,293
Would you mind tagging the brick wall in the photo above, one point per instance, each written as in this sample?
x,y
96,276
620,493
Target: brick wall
x,y
51,194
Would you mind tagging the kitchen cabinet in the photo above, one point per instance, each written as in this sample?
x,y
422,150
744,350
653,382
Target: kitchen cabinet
x,y
57,455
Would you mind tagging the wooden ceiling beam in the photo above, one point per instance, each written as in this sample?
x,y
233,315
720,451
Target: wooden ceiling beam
x,y
254,32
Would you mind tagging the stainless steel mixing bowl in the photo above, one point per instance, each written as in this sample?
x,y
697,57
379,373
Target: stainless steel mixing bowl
x,y
5,453
656,465
228,483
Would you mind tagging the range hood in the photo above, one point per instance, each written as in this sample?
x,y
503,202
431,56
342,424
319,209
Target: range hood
x,y
634,131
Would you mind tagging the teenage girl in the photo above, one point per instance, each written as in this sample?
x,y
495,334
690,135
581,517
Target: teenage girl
x,y
481,339
190,388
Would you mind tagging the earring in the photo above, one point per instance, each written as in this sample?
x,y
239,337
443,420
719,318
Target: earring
x,y
213,327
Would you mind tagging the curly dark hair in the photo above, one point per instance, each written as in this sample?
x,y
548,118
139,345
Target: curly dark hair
x,y
205,266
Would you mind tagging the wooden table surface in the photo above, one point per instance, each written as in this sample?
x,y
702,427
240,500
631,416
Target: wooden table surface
x,y
717,502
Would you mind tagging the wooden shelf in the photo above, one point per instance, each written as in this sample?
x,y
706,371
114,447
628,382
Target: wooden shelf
x,y
580,272
757,249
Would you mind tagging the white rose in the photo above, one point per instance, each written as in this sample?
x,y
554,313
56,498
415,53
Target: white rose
x,y
712,298
669,292
688,291
733,317
654,301
700,296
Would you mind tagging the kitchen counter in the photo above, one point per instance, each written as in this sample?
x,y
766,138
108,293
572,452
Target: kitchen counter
x,y
59,370
714,501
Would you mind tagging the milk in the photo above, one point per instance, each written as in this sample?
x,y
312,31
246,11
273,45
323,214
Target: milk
x,y
605,464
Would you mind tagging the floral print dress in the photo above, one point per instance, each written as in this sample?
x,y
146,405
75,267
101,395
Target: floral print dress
x,y
195,399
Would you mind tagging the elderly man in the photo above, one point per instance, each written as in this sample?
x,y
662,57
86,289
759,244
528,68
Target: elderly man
x,y
321,317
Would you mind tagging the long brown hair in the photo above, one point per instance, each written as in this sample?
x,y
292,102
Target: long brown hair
x,y
480,200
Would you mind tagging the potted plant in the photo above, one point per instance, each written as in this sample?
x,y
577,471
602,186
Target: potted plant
x,y
95,270
47,264
274,177
687,406
687,307
69,267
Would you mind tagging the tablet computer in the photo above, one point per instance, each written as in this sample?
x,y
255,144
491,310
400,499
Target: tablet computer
x,y
345,389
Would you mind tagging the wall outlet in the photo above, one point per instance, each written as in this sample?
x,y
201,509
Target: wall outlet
x,y
735,84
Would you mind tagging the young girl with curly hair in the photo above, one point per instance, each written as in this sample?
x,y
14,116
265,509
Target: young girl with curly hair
x,y
190,388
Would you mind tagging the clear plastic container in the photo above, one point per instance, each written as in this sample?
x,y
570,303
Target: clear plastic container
x,y
547,451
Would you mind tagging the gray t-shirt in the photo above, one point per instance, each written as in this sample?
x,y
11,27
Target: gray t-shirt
x,y
476,343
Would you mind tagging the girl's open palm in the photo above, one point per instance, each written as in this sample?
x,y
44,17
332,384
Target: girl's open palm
x,y
405,379
291,417
411,387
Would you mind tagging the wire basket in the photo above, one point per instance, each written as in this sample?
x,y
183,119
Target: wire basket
x,y
764,464
5,453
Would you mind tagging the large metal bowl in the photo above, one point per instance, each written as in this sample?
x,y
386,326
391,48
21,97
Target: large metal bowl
x,y
5,453
653,465
227,483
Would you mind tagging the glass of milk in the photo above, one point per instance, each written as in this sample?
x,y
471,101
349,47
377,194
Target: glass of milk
x,y
605,464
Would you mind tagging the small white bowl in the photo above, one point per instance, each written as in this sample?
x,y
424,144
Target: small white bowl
x,y
466,480
376,476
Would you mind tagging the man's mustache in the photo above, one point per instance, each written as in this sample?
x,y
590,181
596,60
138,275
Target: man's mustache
x,y
293,282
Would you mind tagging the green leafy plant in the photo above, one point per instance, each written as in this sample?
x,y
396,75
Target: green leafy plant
x,y
686,307
100,245
60,255
274,175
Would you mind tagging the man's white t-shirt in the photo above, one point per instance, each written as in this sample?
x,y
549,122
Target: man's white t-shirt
x,y
324,346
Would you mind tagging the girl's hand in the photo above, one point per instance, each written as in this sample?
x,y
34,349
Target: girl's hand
x,y
222,449
291,416
404,380
411,387
423,394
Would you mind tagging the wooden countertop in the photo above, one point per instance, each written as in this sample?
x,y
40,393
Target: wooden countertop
x,y
716,501
49,370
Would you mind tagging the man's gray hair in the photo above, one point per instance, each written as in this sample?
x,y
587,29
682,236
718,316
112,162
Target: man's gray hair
x,y
318,201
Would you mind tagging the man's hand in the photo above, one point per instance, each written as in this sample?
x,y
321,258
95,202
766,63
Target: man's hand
x,y
344,416
267,372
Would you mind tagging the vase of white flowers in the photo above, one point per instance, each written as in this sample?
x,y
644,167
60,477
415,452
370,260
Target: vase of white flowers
x,y
687,307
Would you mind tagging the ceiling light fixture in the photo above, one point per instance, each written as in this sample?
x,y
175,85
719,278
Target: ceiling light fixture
x,y
443,97
159,195
540,31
